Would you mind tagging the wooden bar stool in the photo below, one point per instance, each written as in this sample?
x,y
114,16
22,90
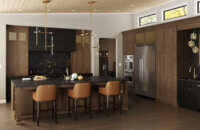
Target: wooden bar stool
x,y
112,89
45,93
80,91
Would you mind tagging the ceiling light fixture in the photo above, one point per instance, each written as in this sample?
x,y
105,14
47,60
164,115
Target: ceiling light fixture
x,y
132,5
117,10
37,32
91,3
19,10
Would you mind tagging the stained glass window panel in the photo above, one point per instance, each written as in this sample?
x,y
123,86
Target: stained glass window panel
x,y
149,19
175,12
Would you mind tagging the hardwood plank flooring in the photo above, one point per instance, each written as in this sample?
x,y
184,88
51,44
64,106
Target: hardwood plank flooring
x,y
143,114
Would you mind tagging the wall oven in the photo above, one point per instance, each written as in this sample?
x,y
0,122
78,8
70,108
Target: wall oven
x,y
128,67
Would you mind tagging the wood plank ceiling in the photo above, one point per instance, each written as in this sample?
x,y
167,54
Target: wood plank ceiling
x,y
77,6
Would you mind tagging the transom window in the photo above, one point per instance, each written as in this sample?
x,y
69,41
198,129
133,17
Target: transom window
x,y
175,12
149,19
198,7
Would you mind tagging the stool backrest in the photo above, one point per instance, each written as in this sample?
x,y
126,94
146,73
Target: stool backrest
x,y
46,93
113,87
82,90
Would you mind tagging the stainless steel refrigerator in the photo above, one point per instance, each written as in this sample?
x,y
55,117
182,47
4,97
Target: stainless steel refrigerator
x,y
145,70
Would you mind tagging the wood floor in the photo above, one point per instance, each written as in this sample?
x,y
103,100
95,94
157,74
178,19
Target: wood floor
x,y
143,114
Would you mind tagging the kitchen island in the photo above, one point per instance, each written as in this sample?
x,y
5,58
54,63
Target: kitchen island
x,y
21,92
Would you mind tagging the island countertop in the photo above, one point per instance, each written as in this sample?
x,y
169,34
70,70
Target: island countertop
x,y
62,81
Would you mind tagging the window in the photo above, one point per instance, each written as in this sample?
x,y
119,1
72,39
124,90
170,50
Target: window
x,y
175,12
198,7
149,19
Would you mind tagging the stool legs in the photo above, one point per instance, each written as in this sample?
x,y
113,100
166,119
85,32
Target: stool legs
x,y
75,108
113,103
120,104
90,107
68,106
107,104
85,106
33,109
38,114
75,103
52,110
99,103
55,113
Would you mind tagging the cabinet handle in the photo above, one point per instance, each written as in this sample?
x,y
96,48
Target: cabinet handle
x,y
198,86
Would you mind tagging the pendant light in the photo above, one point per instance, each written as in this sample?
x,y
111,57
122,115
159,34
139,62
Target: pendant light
x,y
91,3
46,33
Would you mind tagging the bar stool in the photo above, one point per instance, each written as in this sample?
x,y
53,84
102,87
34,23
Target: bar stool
x,y
80,91
45,93
112,89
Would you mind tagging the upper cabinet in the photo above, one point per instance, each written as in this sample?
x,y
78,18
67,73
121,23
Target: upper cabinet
x,y
64,40
145,37
17,51
128,43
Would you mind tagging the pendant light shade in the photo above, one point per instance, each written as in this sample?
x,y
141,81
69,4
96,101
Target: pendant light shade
x,y
195,49
191,43
193,36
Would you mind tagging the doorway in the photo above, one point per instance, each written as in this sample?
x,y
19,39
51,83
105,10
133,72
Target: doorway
x,y
107,57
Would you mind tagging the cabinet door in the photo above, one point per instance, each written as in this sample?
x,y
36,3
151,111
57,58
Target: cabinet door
x,y
187,95
140,38
166,65
197,93
150,37
17,51
128,43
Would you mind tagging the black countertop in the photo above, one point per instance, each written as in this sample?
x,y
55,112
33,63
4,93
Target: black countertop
x,y
189,79
62,81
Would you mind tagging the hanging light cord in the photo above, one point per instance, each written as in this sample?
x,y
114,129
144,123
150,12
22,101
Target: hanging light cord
x,y
45,31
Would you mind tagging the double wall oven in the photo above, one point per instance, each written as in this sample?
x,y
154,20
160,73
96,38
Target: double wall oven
x,y
128,67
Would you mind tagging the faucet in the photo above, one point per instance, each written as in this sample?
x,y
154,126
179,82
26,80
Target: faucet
x,y
194,71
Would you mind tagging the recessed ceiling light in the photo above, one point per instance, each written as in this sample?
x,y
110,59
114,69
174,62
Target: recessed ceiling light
x,y
132,5
73,10
19,10
95,10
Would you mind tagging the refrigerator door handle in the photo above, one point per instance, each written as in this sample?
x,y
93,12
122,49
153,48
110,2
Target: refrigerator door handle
x,y
141,70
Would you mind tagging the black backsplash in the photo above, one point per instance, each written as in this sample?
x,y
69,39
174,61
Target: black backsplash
x,y
43,63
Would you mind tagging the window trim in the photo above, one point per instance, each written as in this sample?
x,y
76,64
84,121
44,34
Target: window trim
x,y
198,4
173,9
147,16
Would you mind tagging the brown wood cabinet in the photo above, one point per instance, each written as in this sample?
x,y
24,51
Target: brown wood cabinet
x,y
81,57
166,65
17,51
128,43
145,37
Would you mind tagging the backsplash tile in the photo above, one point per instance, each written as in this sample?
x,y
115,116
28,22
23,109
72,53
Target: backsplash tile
x,y
43,63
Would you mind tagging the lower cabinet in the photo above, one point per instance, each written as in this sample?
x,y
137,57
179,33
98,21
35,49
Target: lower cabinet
x,y
189,94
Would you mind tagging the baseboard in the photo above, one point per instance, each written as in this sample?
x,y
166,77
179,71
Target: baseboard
x,y
2,101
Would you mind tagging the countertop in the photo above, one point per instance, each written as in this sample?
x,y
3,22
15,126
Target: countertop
x,y
189,79
62,81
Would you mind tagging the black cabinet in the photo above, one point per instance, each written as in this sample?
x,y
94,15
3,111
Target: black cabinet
x,y
189,94
64,39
